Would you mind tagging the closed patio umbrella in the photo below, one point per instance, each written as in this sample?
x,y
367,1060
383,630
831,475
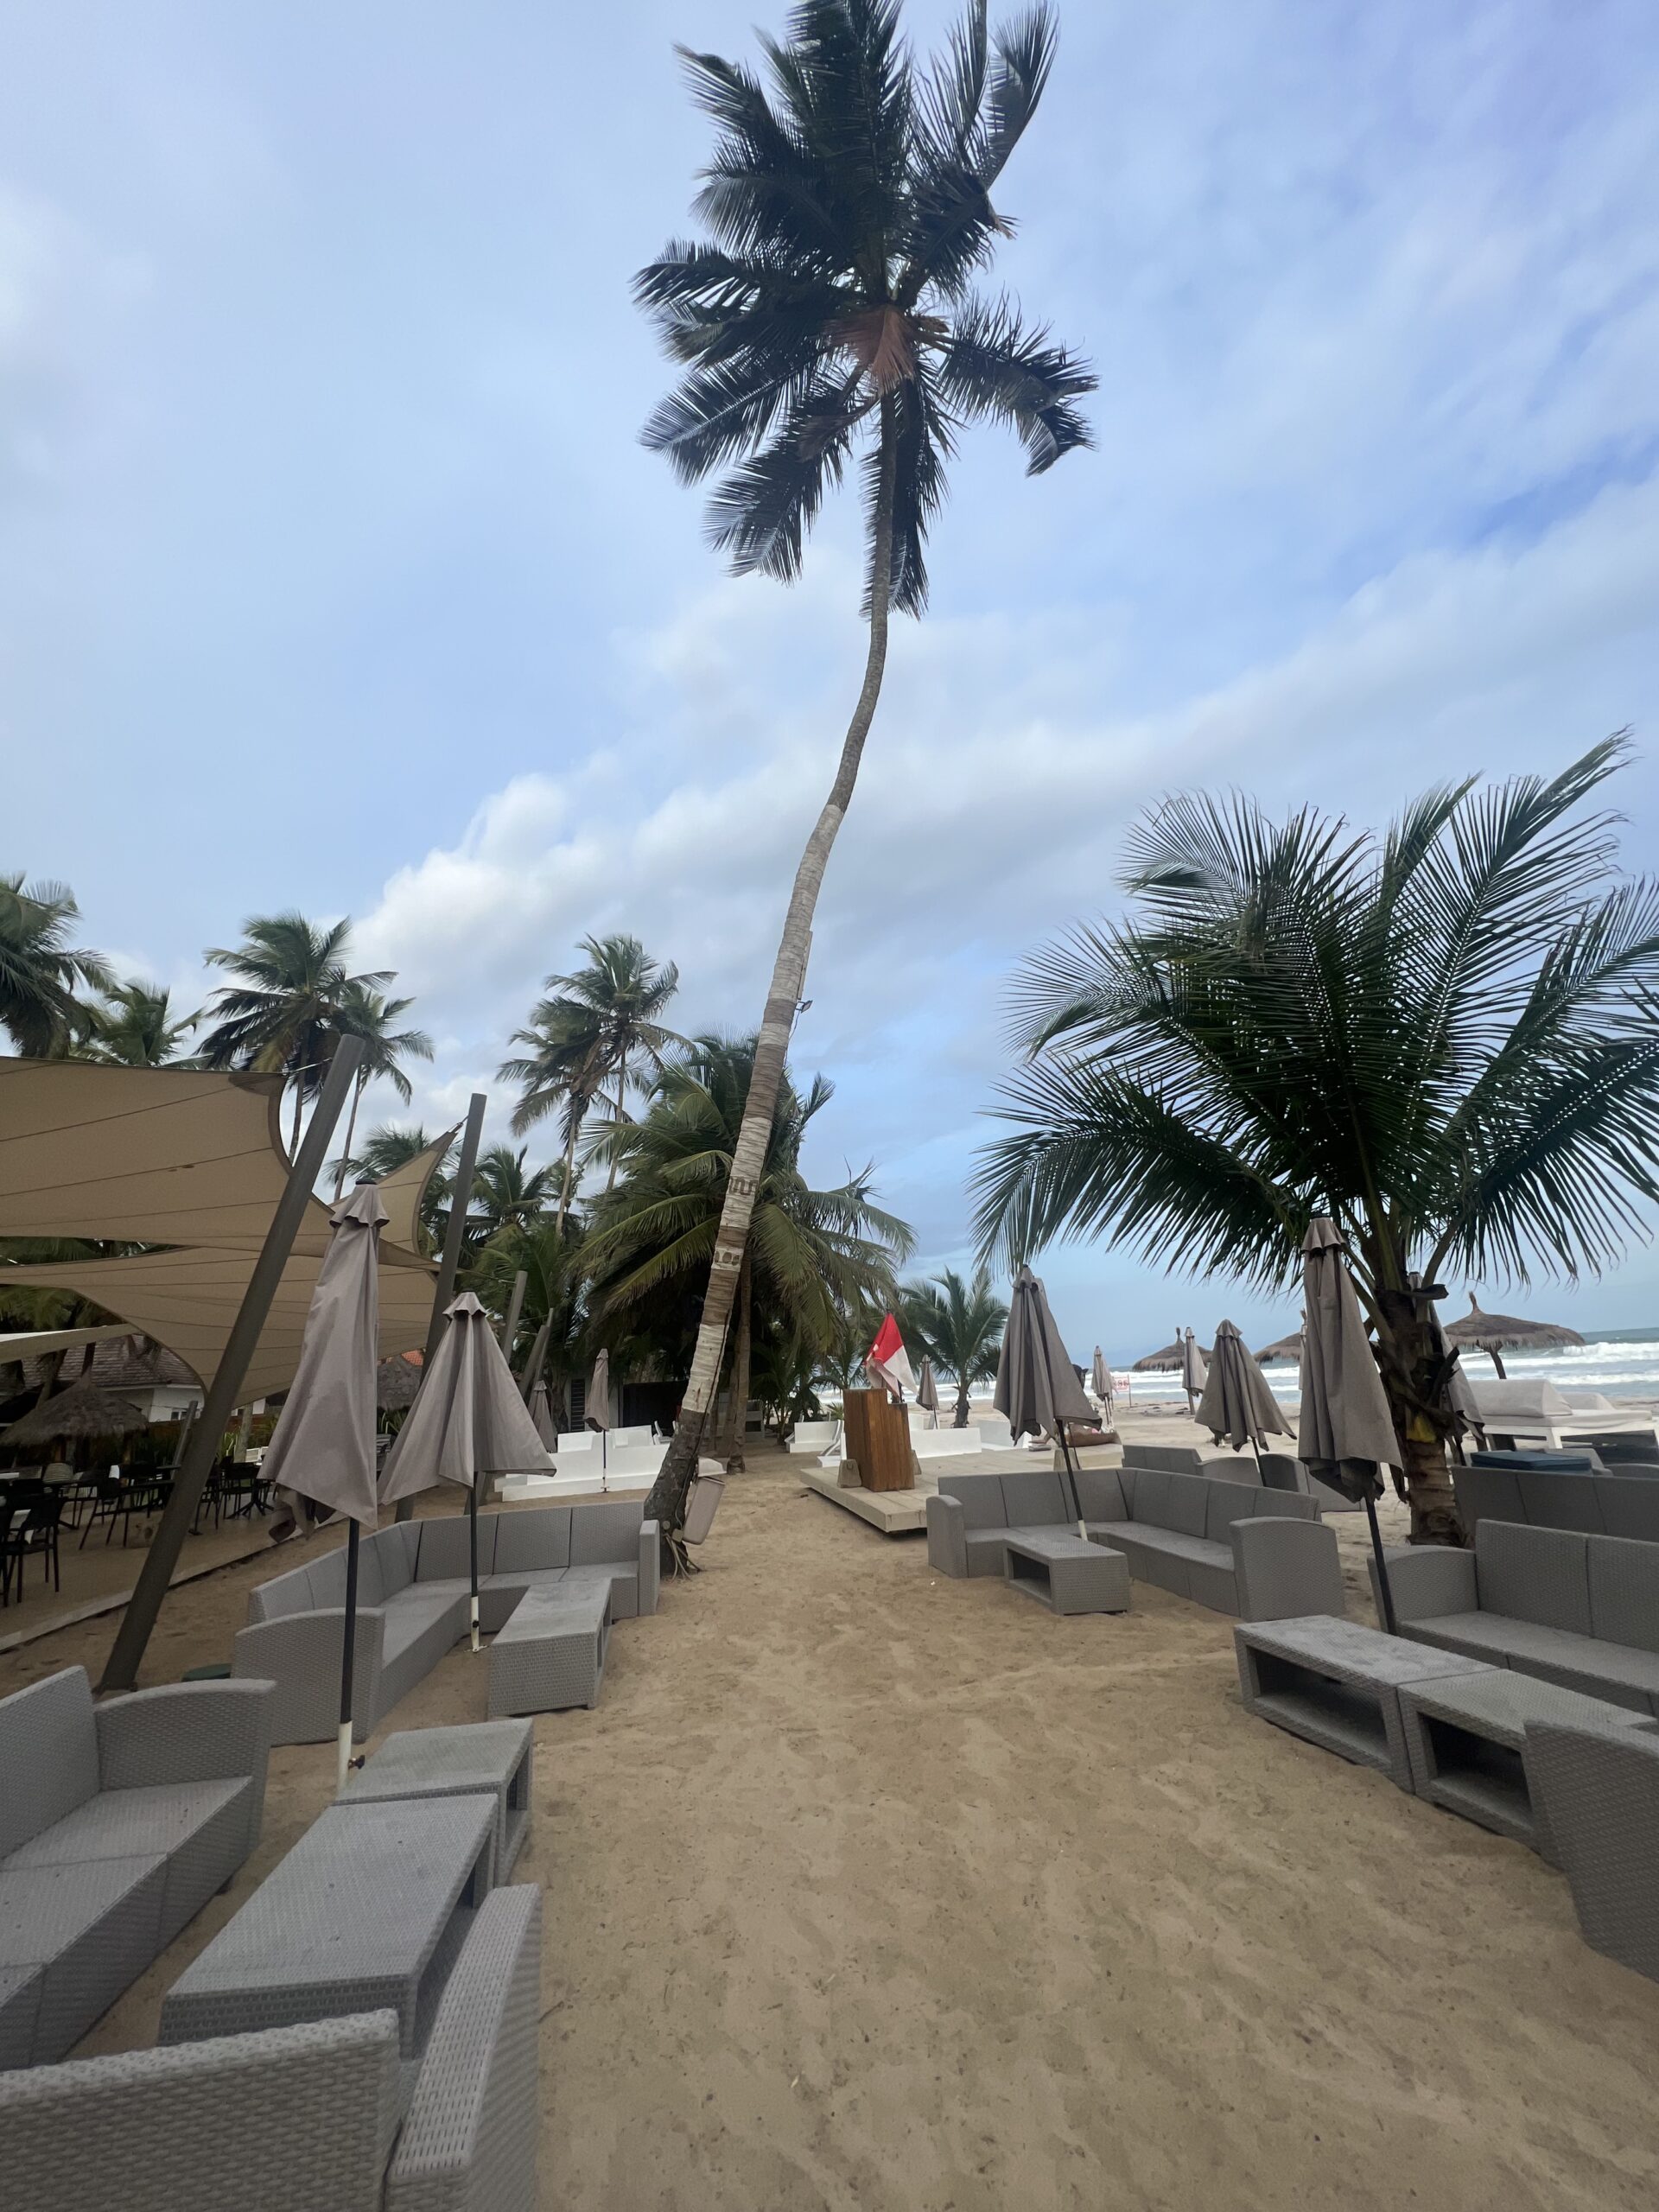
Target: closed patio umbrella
x,y
1238,1407
323,1445
1037,1386
1101,1375
927,1393
1346,1433
597,1411
1194,1375
468,1422
540,1415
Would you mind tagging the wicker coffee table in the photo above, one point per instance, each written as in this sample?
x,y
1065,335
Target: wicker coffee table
x,y
459,1762
1466,1737
367,1910
1338,1683
551,1653
1067,1573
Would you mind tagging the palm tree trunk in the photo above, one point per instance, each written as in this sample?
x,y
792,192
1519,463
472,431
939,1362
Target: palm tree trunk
x,y
569,1171
666,1503
350,1132
622,1093
742,1349
963,1407
1406,1360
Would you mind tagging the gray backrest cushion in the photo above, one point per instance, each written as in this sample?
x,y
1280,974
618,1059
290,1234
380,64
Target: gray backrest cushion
x,y
1151,1495
1556,1501
1185,1503
446,1545
1035,1499
1487,1493
398,1545
283,1595
979,1497
1624,1591
1229,1502
1100,1493
371,1578
1168,1459
534,1536
1238,1467
1533,1574
606,1534
327,1578
1629,1506
48,1755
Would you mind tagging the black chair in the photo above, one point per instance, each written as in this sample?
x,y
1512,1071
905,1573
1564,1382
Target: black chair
x,y
34,1534
112,1502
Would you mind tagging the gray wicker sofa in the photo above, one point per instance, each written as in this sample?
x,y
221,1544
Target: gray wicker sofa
x,y
1175,1530
117,1823
1572,1608
1280,1470
315,2117
1595,1504
413,1586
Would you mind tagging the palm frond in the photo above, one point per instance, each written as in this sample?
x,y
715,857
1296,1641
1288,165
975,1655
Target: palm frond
x,y
991,366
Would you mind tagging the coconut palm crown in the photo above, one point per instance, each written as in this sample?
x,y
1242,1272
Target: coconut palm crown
x,y
1446,1040
849,206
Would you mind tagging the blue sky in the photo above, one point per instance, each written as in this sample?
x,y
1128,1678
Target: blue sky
x,y
332,573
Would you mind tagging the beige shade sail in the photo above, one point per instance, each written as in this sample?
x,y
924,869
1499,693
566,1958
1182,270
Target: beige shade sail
x,y
162,1156
189,1301
36,1344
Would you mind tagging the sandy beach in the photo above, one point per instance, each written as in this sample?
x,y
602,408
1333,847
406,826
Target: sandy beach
x,y
866,1888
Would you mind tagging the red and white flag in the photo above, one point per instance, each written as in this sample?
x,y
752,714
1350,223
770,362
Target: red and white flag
x,y
886,1362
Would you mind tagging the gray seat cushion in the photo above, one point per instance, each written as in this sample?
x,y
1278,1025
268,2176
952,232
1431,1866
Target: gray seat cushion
x,y
1615,1672
91,1927
201,1828
498,1597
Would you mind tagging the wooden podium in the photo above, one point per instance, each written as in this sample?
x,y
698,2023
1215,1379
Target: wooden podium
x,y
878,1439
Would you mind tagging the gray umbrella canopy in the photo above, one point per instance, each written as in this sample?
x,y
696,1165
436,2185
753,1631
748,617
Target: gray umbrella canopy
x,y
1238,1407
323,1446
927,1392
1037,1386
596,1410
1346,1433
468,1420
540,1415
1194,1374
1101,1375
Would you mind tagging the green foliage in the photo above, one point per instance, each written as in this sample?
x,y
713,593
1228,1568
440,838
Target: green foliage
x,y
41,970
814,1253
848,202
958,1324
134,1026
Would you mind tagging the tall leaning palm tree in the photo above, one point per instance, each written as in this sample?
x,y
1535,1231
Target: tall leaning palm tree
x,y
959,1325
41,970
595,1032
362,1012
1446,1040
827,316
290,1004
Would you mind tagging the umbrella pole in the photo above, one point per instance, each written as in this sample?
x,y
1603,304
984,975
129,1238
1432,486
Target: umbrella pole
x,y
1066,1459
1381,1567
347,1662
472,1540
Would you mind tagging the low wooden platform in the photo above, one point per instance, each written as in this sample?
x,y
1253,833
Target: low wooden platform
x,y
894,1512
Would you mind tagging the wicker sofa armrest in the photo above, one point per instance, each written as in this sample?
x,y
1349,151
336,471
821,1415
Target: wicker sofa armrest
x,y
1427,1581
651,1565
300,1653
473,2127
947,1535
185,1732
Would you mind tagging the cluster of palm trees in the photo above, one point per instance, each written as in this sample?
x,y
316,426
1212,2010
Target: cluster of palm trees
x,y
648,1117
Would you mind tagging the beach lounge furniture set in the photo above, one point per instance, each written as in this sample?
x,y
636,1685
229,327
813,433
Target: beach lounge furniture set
x,y
552,1579
1522,1692
1559,1490
1184,1533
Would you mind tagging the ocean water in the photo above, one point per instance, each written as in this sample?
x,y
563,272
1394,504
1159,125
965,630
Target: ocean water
x,y
1623,1363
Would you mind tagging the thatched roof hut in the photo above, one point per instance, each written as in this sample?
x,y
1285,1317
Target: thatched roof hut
x,y
1288,1347
396,1382
1502,1333
1168,1361
80,1412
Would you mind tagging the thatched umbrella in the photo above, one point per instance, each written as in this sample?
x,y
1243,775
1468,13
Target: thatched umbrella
x,y
1288,1347
1172,1360
84,1411
1493,1333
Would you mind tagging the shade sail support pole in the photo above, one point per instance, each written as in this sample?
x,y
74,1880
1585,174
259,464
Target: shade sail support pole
x,y
515,1307
225,1392
1384,1591
449,1266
